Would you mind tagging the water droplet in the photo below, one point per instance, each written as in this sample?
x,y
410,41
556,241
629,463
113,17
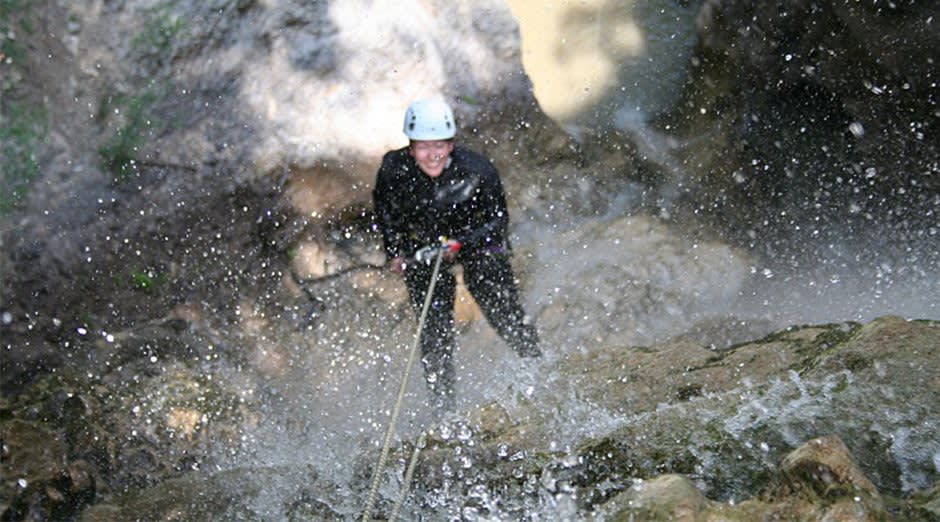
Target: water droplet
x,y
857,129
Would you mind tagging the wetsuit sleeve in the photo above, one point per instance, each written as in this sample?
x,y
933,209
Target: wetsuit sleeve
x,y
387,214
490,218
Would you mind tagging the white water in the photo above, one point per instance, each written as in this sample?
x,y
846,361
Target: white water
x,y
331,404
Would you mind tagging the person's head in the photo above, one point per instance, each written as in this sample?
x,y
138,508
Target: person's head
x,y
430,126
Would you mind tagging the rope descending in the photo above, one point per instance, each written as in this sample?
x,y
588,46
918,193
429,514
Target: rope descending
x,y
383,457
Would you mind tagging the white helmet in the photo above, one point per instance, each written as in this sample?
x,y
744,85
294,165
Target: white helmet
x,y
429,119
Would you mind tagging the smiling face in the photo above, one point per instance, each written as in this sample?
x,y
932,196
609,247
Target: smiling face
x,y
431,156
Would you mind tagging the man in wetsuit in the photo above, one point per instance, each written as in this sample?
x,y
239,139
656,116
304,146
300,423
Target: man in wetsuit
x,y
434,191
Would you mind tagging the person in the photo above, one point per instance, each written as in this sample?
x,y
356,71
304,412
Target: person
x,y
435,192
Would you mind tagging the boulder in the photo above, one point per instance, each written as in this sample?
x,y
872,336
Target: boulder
x,y
60,497
823,468
822,483
666,497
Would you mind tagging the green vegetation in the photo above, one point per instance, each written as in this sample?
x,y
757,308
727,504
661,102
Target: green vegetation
x,y
162,28
20,132
119,153
21,128
11,50
161,31
146,280
469,100
139,279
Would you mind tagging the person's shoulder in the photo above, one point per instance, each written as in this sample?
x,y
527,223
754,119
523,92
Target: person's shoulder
x,y
395,156
473,160
394,161
468,154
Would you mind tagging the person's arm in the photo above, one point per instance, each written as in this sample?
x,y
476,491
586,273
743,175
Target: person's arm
x,y
491,217
387,215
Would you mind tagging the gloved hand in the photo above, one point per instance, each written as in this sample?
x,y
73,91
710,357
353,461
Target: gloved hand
x,y
397,265
449,248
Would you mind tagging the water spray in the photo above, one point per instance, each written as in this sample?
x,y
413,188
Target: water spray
x,y
383,457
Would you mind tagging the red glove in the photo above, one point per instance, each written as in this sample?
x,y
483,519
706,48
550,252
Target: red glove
x,y
452,245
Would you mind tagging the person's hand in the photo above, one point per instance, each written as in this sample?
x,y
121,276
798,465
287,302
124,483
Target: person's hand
x,y
451,249
397,265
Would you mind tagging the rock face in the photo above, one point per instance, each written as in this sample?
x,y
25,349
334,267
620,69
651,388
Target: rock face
x,y
180,137
725,420
182,339
814,423
822,481
792,103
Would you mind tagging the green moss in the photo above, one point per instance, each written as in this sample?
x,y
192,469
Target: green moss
x,y
13,16
120,152
811,351
146,280
22,126
469,100
13,52
21,131
827,343
842,384
160,31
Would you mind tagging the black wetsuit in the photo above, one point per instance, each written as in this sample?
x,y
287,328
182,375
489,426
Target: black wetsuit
x,y
467,203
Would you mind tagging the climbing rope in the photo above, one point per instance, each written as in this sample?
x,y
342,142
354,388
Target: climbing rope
x,y
380,466
422,441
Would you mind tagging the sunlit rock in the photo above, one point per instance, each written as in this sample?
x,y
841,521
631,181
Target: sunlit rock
x,y
184,421
824,468
312,260
817,481
667,497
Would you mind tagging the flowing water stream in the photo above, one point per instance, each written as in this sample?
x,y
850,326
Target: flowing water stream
x,y
329,404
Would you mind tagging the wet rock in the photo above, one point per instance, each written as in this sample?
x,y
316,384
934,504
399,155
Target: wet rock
x,y
771,82
819,482
823,469
59,497
591,425
142,416
287,493
779,46
30,453
667,497
726,420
